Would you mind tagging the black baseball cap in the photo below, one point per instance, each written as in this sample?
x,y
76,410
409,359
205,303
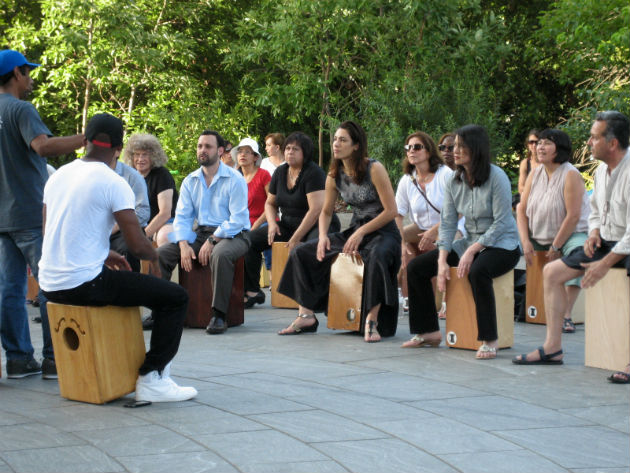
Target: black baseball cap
x,y
107,126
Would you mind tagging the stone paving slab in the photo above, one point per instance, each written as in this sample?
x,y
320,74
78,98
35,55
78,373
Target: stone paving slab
x,y
329,402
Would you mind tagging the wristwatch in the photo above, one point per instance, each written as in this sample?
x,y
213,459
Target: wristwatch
x,y
554,248
213,241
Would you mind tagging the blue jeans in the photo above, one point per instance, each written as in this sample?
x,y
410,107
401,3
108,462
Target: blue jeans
x,y
17,249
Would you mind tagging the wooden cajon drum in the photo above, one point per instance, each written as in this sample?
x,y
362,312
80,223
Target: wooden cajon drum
x,y
265,276
607,329
535,294
461,315
345,294
98,350
198,284
279,257
32,288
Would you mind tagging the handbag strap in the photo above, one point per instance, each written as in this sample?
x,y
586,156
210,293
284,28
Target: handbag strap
x,y
415,183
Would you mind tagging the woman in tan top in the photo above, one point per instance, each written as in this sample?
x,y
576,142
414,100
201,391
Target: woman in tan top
x,y
554,208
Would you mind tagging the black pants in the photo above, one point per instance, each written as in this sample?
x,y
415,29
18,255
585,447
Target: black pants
x,y
119,245
488,264
259,243
168,301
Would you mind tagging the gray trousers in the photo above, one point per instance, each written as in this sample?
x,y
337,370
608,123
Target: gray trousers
x,y
222,260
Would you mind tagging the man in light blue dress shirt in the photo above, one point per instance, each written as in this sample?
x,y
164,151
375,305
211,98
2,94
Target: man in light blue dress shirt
x,y
214,195
142,210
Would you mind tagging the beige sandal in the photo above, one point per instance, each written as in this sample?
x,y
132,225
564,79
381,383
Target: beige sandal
x,y
418,342
486,352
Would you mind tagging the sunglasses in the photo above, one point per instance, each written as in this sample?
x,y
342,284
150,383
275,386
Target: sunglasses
x,y
446,148
416,147
533,142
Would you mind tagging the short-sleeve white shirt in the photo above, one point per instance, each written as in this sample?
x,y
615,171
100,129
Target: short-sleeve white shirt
x,y
80,199
268,166
411,203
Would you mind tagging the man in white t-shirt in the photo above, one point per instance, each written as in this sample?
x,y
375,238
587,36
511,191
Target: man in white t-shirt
x,y
82,201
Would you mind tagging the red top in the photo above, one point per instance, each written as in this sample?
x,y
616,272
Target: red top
x,y
256,195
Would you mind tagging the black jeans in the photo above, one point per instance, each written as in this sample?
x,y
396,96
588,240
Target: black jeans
x,y
167,300
488,264
259,243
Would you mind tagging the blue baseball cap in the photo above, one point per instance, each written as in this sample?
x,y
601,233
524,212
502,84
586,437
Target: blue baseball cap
x,y
10,59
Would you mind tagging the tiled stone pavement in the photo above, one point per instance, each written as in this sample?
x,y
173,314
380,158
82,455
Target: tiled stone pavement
x,y
331,403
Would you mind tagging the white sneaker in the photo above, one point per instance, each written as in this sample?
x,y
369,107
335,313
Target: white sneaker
x,y
155,388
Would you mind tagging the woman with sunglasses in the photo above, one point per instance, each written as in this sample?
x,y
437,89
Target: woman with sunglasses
x,y
419,195
446,146
364,184
554,209
480,191
531,159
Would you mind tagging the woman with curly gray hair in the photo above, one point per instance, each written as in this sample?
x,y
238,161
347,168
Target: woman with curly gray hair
x,y
145,154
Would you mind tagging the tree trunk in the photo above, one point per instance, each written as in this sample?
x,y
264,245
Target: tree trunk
x,y
325,112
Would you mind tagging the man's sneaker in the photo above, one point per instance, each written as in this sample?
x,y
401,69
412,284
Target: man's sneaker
x,y
22,368
49,369
159,388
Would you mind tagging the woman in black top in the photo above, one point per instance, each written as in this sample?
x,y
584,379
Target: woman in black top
x,y
145,154
296,196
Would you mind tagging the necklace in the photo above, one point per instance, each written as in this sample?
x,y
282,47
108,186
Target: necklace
x,y
424,179
292,177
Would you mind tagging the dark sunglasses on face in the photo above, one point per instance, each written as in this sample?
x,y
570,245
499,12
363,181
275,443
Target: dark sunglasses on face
x,y
416,147
533,142
446,148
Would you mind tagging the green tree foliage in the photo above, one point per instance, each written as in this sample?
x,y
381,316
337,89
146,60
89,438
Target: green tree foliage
x,y
250,67
584,45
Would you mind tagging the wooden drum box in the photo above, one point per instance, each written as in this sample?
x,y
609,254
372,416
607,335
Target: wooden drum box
x,y
535,294
198,284
279,257
461,315
607,330
98,350
345,295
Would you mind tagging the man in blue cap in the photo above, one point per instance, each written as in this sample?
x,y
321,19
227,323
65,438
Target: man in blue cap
x,y
24,143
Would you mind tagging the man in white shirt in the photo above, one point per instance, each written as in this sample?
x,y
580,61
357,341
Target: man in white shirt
x,y
82,201
608,244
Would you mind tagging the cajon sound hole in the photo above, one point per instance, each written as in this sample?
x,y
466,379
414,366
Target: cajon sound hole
x,y
71,338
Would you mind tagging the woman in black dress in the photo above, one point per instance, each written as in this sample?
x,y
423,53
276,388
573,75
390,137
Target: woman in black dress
x,y
295,199
364,184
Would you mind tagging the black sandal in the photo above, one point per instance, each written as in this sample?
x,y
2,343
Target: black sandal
x,y
544,358
620,377
568,326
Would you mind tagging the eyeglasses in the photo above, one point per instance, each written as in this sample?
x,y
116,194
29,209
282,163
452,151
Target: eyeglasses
x,y
532,142
446,148
416,147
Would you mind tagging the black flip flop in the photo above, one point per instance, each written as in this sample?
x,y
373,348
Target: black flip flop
x,y
619,377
